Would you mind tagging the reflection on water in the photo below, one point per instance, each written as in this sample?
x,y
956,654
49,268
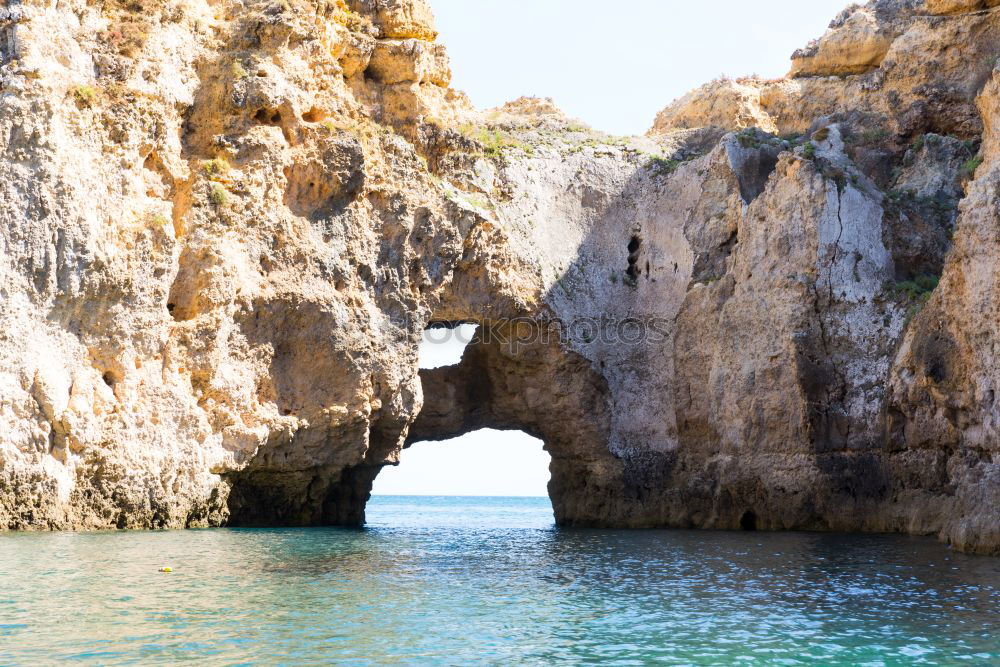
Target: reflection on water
x,y
474,581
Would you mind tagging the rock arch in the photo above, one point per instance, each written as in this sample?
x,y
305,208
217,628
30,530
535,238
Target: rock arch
x,y
541,388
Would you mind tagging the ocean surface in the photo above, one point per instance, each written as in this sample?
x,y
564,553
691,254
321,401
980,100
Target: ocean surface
x,y
467,581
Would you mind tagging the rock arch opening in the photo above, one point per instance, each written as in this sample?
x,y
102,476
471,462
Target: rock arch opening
x,y
511,377
486,462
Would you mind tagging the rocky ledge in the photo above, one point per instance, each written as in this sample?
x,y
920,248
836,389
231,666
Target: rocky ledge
x,y
225,226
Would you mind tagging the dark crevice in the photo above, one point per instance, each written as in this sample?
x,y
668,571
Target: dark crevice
x,y
273,118
633,271
268,117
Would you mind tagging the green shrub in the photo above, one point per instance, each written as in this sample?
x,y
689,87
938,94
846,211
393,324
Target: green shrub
x,y
918,289
874,135
970,167
495,142
215,169
85,96
662,165
237,70
837,175
748,138
218,195
928,283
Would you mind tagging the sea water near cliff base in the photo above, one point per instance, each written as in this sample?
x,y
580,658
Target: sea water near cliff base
x,y
465,581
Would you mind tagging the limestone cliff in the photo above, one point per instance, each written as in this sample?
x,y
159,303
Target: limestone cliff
x,y
226,226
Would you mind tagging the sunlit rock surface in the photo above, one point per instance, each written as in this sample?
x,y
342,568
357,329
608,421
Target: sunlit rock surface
x,y
226,226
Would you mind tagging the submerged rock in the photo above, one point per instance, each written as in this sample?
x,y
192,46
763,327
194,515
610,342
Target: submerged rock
x,y
226,226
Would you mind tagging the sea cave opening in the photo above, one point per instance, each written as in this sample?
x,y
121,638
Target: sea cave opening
x,y
480,469
486,462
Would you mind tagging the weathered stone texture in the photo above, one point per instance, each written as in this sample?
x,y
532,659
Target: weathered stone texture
x,y
224,227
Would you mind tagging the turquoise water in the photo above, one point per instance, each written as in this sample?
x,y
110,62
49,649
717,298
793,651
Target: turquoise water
x,y
460,581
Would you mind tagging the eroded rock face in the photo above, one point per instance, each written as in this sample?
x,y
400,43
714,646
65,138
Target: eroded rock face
x,y
856,43
891,59
226,225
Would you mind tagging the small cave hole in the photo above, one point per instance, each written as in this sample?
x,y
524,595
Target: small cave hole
x,y
748,521
176,313
937,371
633,272
109,379
268,117
444,343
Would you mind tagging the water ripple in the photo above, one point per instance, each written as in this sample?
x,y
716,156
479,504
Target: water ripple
x,y
474,581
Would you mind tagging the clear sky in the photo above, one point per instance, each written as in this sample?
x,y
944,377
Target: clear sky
x,y
614,66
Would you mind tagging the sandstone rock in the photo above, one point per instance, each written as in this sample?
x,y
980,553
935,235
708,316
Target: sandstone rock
x,y
892,81
221,242
400,19
722,103
409,60
957,6
856,45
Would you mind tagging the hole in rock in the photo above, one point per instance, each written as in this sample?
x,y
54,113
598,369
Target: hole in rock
x,y
268,117
483,463
458,469
444,343
109,379
748,521
633,272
